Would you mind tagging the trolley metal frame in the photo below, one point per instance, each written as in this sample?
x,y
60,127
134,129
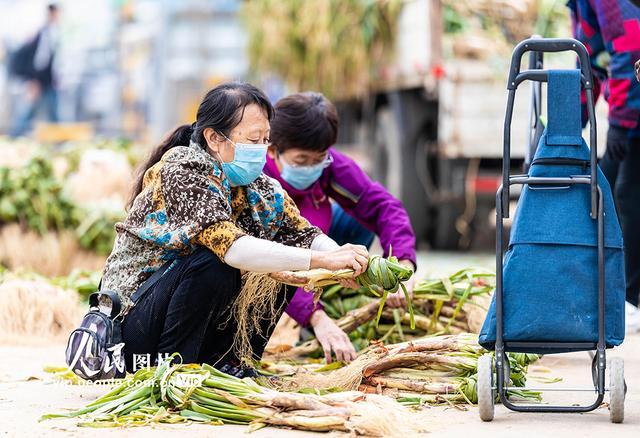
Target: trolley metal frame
x,y
538,75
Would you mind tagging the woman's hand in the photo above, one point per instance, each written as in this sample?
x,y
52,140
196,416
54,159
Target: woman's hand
x,y
349,283
397,299
332,338
347,256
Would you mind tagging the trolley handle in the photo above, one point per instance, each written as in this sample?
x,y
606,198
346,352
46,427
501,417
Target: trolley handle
x,y
549,45
537,75
516,77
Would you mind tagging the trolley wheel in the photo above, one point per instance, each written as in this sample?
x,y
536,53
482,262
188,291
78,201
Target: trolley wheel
x,y
616,390
486,399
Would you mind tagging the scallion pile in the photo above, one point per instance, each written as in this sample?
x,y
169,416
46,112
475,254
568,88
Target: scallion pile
x,y
440,369
448,305
200,393
435,369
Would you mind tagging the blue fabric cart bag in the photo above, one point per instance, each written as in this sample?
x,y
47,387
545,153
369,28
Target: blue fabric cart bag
x,y
550,270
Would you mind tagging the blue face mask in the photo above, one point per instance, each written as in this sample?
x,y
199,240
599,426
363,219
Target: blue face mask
x,y
302,177
248,161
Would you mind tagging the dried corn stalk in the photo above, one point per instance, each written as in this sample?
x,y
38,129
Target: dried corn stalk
x,y
329,46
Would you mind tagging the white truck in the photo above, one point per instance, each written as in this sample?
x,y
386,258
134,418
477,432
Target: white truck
x,y
435,127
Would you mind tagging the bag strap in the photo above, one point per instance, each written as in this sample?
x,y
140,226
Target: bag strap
x,y
564,125
138,294
116,304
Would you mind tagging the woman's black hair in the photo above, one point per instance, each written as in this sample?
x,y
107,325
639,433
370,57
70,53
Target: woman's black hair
x,y
305,121
221,109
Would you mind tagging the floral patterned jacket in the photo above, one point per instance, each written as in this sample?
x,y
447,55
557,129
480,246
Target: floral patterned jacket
x,y
187,201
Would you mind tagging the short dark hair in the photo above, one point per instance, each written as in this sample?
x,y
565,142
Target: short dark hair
x,y
52,8
306,121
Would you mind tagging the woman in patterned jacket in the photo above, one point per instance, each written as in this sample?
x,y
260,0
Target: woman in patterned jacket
x,y
203,212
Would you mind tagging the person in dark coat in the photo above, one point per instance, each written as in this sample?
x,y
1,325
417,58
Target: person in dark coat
x,y
33,64
612,27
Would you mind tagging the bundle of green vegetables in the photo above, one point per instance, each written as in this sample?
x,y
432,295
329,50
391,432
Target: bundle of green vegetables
x,y
382,277
461,285
443,300
96,227
200,393
433,369
441,369
454,304
32,196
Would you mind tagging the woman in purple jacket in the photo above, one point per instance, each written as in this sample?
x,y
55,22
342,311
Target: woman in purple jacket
x,y
334,194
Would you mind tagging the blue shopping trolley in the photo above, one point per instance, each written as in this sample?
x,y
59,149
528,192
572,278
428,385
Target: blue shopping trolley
x,y
560,284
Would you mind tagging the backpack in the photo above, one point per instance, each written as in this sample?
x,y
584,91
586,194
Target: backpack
x,y
94,350
21,60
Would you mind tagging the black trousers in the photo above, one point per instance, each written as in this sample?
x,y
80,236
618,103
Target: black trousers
x,y
624,178
187,311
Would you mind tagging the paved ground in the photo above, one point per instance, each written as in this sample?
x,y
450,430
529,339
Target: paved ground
x,y
26,393
22,401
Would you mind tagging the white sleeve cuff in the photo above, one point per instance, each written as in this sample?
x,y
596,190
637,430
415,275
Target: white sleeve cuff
x,y
323,243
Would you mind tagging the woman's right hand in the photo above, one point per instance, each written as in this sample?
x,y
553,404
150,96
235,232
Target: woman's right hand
x,y
347,256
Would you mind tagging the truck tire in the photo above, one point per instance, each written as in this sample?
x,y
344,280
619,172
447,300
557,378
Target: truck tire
x,y
451,186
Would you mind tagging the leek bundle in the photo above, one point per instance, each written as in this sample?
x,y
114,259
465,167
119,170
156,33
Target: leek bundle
x,y
436,369
382,277
449,305
200,393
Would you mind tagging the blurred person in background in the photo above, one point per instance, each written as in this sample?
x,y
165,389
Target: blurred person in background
x,y
613,27
334,194
33,64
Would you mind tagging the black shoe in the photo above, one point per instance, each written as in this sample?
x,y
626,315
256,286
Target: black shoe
x,y
236,370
